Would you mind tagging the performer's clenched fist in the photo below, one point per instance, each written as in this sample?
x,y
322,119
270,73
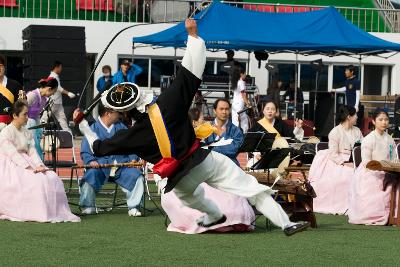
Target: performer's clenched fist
x,y
191,27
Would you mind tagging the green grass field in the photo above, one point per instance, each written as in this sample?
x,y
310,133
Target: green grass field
x,y
114,239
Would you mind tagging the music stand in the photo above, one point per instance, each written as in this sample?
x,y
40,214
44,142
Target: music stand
x,y
257,142
271,159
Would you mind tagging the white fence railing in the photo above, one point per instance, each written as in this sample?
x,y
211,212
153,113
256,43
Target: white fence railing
x,y
384,19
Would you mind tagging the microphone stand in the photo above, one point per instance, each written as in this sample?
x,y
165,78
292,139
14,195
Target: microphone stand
x,y
53,135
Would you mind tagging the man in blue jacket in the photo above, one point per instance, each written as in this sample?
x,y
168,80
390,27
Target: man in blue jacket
x,y
127,72
130,179
105,81
226,130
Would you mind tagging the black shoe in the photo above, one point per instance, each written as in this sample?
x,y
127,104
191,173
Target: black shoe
x,y
298,227
219,221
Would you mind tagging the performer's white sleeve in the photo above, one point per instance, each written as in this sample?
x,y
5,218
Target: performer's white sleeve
x,y
357,99
88,133
341,89
298,133
194,59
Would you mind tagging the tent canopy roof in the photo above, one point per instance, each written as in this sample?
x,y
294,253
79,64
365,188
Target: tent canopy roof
x,y
323,31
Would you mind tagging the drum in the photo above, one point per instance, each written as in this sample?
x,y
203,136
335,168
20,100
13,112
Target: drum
x,y
313,140
281,143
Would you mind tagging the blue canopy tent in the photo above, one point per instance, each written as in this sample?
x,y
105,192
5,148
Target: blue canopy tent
x,y
324,31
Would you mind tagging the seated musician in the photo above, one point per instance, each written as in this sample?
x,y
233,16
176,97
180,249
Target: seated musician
x,y
239,213
272,124
9,93
130,179
369,195
28,191
331,172
226,130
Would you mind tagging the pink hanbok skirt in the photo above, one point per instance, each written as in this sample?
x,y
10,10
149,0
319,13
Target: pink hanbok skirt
x,y
26,196
369,204
238,211
331,183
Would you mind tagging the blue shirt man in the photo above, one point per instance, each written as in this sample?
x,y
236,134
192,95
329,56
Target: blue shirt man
x,y
105,81
130,179
127,72
226,130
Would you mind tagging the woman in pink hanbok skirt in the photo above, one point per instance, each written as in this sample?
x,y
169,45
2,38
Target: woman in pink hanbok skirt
x,y
239,213
237,210
331,171
28,192
369,203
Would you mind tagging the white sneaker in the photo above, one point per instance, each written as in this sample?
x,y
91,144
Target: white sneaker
x,y
134,212
88,211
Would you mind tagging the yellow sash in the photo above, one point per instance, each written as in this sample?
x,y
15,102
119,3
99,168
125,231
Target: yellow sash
x,y
160,131
269,127
7,94
204,130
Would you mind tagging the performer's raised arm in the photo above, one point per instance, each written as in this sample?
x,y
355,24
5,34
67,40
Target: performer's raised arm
x,y
194,59
178,98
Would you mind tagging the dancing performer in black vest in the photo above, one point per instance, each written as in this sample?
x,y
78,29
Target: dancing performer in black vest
x,y
187,165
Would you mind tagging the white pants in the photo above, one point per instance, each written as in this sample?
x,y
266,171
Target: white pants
x,y
220,172
244,119
58,112
133,198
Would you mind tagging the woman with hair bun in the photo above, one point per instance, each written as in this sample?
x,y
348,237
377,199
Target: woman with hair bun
x,y
37,100
28,191
331,171
369,197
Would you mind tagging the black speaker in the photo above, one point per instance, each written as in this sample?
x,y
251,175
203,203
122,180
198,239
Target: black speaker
x,y
47,58
35,73
53,32
324,111
46,44
54,45
397,112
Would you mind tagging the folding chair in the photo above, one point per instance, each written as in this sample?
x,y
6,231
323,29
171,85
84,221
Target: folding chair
x,y
110,188
356,153
321,146
62,161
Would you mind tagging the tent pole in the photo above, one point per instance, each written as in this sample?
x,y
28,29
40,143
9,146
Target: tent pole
x,y
133,52
248,63
359,76
175,61
296,80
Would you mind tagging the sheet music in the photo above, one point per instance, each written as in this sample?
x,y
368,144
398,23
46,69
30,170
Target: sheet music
x,y
222,142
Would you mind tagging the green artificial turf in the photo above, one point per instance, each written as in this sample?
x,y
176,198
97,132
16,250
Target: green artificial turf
x,y
114,239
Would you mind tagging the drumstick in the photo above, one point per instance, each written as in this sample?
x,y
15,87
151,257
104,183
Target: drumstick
x,y
116,165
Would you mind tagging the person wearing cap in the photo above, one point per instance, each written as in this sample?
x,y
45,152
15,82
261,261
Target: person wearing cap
x,y
163,135
127,73
57,107
129,179
9,90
